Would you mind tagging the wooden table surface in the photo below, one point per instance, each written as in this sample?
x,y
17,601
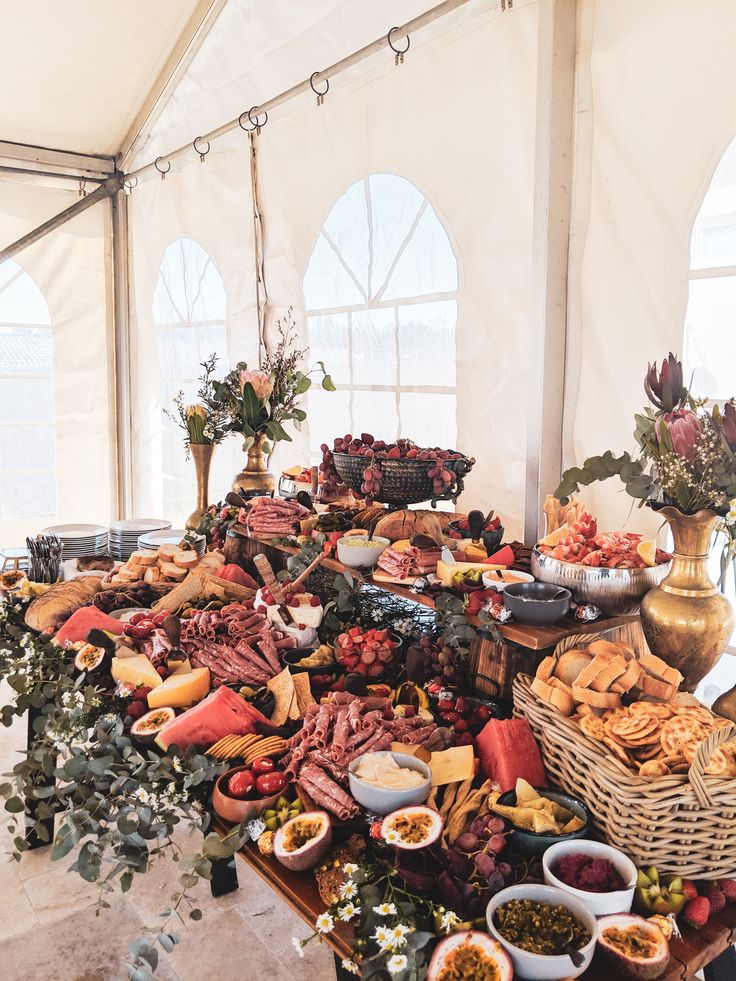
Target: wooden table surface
x,y
688,955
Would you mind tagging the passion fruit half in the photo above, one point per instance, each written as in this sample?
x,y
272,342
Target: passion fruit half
x,y
149,725
632,946
92,659
411,827
469,954
303,842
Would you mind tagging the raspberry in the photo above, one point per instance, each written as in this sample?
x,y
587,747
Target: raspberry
x,y
729,889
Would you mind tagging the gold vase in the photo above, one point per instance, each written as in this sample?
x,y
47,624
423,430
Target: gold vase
x,y
202,454
256,479
686,620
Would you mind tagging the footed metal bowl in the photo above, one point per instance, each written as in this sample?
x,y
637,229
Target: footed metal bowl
x,y
613,591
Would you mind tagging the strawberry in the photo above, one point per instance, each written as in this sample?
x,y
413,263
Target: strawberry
x,y
689,889
729,889
697,911
715,896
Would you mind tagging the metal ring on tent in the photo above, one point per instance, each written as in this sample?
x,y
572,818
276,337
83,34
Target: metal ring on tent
x,y
159,169
129,183
255,123
320,95
241,123
398,52
202,153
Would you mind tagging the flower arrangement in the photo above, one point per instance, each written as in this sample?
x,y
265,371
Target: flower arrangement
x,y
686,450
259,402
203,422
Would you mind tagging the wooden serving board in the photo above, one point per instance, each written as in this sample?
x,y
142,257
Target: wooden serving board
x,y
381,577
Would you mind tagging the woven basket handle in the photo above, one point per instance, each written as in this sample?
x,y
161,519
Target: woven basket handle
x,y
703,753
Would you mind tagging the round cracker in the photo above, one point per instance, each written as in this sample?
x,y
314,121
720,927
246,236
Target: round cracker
x,y
680,730
654,768
618,751
652,708
592,726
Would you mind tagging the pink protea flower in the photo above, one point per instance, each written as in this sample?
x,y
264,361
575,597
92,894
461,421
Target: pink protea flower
x,y
728,424
684,428
665,387
261,382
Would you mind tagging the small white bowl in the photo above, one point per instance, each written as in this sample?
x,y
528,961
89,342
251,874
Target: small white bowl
x,y
360,556
599,903
383,800
544,967
500,579
124,615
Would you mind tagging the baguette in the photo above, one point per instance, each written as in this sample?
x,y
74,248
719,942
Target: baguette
x,y
604,700
186,560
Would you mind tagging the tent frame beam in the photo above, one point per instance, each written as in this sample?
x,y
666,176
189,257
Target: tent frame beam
x,y
188,44
105,190
28,159
550,246
308,85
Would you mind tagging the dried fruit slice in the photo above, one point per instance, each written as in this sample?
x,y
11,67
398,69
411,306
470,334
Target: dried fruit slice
x,y
647,551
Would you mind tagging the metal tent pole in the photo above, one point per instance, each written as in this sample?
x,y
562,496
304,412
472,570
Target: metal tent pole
x,y
121,350
109,187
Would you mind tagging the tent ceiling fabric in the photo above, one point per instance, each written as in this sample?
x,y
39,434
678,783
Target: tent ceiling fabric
x,y
83,94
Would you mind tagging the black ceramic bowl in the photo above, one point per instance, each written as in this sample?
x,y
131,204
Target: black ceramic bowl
x,y
295,655
535,843
538,603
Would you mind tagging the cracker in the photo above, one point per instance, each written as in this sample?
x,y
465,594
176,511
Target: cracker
x,y
282,686
304,697
654,768
593,727
618,751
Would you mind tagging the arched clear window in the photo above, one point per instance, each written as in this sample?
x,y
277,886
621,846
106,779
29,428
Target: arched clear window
x,y
27,438
710,325
380,290
190,325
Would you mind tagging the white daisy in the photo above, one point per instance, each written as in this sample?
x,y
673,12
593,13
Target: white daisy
x,y
350,868
324,923
298,947
449,921
385,909
348,911
383,938
350,966
392,837
348,889
397,963
398,934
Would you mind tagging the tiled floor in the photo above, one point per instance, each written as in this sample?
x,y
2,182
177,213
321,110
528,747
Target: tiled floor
x,y
49,930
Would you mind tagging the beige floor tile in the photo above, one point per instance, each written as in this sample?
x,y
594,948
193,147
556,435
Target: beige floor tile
x,y
82,947
57,893
16,913
224,946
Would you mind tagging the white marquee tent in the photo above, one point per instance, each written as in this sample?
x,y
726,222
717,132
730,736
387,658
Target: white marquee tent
x,y
486,243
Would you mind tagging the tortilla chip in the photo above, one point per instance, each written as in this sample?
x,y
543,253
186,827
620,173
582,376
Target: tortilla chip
x,y
574,824
561,814
543,823
525,792
282,686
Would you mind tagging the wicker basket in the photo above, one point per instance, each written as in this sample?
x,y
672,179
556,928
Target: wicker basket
x,y
684,823
403,481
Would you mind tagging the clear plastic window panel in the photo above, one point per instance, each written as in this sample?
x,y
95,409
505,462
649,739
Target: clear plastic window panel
x,y
383,247
710,337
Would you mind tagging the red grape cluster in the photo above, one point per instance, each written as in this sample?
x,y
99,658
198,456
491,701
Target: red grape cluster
x,y
439,661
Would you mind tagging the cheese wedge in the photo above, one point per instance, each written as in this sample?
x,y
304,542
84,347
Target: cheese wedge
x,y
451,765
137,671
446,571
181,689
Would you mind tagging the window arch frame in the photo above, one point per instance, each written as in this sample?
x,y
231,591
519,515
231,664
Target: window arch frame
x,y
377,300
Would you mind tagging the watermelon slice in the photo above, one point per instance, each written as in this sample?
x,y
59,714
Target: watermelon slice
x,y
222,713
86,618
508,750
504,556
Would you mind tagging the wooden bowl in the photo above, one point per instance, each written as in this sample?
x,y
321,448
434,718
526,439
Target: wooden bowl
x,y
234,810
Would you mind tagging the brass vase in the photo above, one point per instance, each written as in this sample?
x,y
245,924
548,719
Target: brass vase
x,y
256,480
202,454
686,620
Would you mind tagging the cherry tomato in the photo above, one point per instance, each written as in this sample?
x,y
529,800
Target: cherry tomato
x,y
263,765
268,784
241,784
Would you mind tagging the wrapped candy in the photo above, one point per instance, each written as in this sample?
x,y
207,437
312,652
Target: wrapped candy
x,y
499,613
585,612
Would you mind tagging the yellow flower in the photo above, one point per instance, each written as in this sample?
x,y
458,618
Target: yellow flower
x,y
197,411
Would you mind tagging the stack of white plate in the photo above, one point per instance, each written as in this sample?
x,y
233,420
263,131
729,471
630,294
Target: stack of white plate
x,y
153,539
79,540
124,535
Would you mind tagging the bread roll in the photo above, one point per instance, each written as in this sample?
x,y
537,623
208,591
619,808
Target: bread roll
x,y
570,664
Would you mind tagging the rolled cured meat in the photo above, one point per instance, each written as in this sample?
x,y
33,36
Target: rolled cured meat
x,y
323,790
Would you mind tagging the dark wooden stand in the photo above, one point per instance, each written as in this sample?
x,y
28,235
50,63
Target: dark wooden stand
x,y
34,841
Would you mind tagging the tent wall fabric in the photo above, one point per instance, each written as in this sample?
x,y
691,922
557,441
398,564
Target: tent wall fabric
x,y
654,113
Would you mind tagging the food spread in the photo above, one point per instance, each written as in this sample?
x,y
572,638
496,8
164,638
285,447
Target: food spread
x,y
382,770
206,665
